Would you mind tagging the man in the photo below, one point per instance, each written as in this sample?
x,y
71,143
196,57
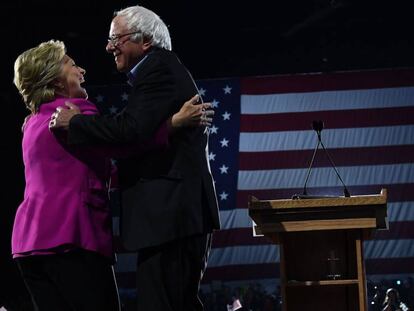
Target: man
x,y
169,206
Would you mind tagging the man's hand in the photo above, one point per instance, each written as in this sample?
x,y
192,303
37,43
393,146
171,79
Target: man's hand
x,y
193,114
61,117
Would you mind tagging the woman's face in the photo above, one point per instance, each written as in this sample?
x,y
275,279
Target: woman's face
x,y
70,80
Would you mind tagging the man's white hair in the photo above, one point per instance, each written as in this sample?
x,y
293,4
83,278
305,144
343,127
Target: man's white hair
x,y
148,24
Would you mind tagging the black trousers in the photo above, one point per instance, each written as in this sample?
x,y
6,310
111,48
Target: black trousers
x,y
77,280
168,276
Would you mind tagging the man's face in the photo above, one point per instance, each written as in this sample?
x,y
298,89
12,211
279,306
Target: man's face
x,y
127,53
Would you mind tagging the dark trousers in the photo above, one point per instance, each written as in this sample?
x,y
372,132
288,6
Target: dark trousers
x,y
77,280
168,276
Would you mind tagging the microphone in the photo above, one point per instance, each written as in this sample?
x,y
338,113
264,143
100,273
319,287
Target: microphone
x,y
317,126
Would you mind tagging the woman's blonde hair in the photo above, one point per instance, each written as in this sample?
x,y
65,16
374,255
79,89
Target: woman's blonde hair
x,y
35,70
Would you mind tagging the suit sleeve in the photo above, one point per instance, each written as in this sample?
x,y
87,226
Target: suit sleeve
x,y
158,141
151,102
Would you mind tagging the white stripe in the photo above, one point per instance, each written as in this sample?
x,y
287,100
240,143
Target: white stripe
x,y
388,248
239,218
332,138
235,218
243,255
327,100
401,211
326,177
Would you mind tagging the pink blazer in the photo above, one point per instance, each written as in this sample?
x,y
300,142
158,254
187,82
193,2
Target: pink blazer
x,y
66,199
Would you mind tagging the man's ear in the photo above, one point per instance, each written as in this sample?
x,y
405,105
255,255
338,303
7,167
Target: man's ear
x,y
147,44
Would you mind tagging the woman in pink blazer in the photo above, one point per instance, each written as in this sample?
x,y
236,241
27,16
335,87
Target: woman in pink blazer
x,y
62,234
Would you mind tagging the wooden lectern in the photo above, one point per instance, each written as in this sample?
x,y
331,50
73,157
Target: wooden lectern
x,y
321,249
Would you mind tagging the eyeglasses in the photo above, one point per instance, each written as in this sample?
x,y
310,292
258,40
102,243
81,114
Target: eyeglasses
x,y
114,40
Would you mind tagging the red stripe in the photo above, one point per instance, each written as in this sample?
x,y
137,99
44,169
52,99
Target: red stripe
x,y
333,119
390,265
242,272
327,81
341,157
396,192
397,230
237,237
244,236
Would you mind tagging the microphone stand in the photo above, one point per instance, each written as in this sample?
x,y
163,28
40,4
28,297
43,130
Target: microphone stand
x,y
317,126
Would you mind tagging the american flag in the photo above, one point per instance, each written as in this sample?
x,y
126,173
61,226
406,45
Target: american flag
x,y
261,143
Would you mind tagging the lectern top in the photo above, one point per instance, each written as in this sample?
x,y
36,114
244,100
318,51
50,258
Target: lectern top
x,y
359,200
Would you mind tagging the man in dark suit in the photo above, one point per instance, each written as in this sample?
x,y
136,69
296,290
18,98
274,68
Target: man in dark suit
x,y
169,205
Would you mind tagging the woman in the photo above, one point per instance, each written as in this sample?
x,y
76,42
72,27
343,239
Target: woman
x,y
62,238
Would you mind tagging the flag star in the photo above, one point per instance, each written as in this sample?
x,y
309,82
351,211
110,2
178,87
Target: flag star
x,y
215,103
99,98
227,90
214,129
223,196
226,115
223,169
202,92
211,156
124,96
224,142
113,109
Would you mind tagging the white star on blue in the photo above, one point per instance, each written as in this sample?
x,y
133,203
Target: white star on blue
x,y
223,196
215,103
211,156
99,98
113,109
224,169
202,91
124,96
226,115
227,90
224,142
213,129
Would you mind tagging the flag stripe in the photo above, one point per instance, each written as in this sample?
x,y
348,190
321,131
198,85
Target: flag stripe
x,y
332,119
325,176
332,138
326,101
341,157
314,82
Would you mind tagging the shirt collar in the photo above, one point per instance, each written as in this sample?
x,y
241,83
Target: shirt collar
x,y
134,71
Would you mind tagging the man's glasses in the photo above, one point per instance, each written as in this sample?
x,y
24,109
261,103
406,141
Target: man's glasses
x,y
114,40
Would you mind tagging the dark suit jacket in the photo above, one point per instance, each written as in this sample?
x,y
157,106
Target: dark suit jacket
x,y
166,194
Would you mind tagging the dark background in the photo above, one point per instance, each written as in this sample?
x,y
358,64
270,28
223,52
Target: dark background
x,y
213,39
